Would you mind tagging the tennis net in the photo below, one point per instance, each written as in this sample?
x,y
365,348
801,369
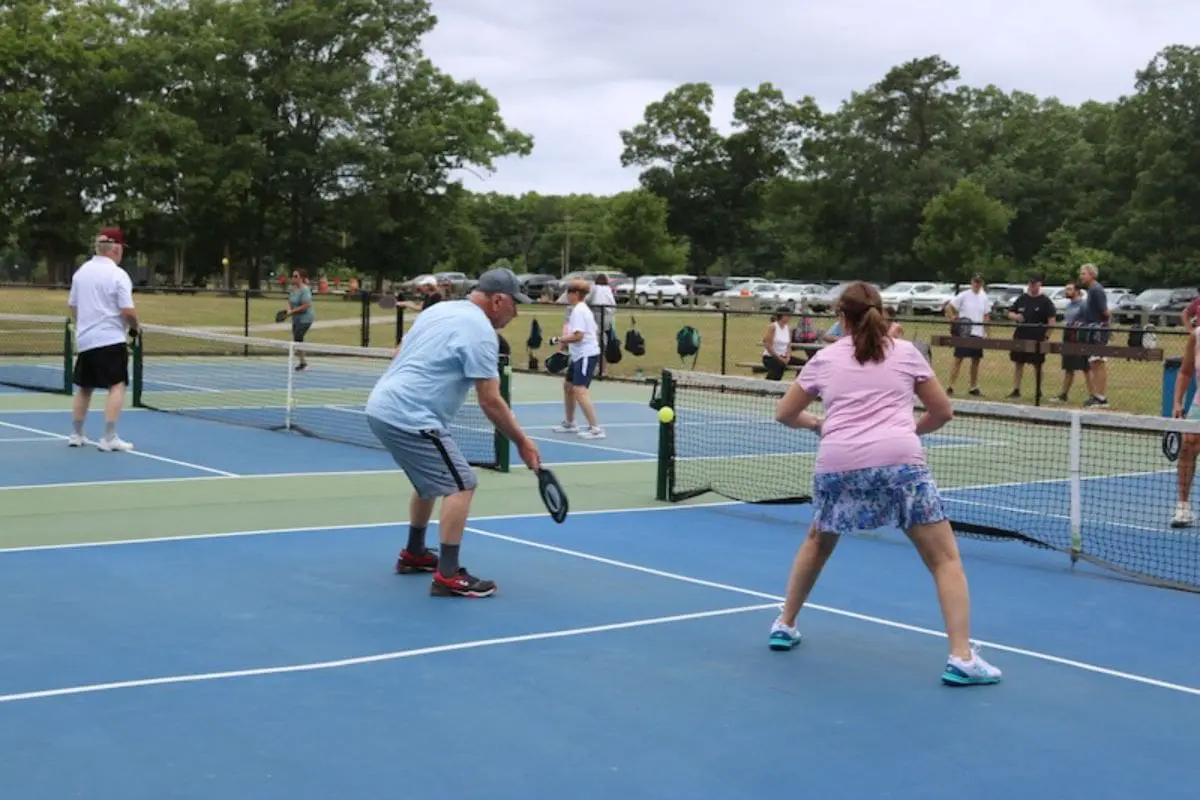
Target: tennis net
x,y
35,352
1095,485
254,382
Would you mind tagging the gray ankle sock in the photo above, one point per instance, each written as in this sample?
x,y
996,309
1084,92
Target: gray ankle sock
x,y
448,560
110,430
77,426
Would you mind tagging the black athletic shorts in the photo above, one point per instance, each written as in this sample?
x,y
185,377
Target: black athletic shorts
x,y
102,367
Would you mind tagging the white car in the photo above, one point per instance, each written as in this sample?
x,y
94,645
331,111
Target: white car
x,y
903,291
647,289
797,295
933,301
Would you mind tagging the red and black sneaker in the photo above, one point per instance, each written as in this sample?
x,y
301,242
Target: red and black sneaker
x,y
408,563
463,584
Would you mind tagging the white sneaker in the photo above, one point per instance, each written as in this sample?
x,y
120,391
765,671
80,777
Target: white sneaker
x,y
783,637
111,444
565,427
1184,516
972,672
77,440
592,433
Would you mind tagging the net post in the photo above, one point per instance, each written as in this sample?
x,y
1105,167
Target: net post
x,y
503,458
68,355
138,370
1074,472
290,405
665,439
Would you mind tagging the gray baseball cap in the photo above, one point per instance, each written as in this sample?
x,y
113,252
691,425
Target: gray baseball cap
x,y
502,281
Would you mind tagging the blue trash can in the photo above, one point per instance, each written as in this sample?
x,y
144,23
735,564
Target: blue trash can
x,y
1171,368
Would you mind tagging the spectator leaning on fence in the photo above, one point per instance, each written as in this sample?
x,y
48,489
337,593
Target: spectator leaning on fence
x,y
967,307
1094,316
1034,314
1071,363
603,304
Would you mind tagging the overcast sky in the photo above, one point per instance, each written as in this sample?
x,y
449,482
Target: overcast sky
x,y
573,73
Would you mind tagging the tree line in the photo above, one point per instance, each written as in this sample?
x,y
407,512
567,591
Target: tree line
x,y
318,135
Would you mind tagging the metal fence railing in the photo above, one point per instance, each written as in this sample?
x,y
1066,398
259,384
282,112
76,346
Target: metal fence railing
x,y
730,337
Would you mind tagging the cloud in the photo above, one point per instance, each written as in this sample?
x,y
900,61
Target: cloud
x,y
573,74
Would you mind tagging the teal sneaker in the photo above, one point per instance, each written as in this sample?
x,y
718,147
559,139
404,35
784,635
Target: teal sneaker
x,y
973,672
782,637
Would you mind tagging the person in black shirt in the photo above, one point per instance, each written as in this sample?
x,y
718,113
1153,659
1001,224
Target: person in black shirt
x,y
1034,314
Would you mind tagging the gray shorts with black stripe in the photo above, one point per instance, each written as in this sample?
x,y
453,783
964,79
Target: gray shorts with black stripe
x,y
431,459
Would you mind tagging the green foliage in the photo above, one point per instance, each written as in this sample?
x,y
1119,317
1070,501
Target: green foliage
x,y
962,232
317,134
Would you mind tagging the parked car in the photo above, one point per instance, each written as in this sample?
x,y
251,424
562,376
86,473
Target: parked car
x,y
707,285
933,301
1160,307
794,295
649,288
535,284
457,282
902,291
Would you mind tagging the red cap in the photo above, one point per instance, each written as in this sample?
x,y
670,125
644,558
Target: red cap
x,y
113,235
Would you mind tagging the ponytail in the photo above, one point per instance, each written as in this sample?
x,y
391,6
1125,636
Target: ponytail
x,y
869,333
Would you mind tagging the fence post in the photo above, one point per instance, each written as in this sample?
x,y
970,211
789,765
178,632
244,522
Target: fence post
x,y
366,318
724,337
399,323
246,320
603,342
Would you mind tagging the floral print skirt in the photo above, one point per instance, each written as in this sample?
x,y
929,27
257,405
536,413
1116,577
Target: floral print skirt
x,y
877,497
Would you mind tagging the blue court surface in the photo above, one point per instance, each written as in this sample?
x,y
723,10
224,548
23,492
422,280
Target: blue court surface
x,y
623,657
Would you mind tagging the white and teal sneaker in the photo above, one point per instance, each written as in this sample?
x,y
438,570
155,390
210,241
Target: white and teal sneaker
x,y
973,672
782,637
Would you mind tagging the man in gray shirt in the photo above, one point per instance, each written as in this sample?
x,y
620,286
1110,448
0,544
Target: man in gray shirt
x,y
1094,318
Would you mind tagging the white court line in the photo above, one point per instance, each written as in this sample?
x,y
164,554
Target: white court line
x,y
281,475
27,439
839,612
380,657
138,453
185,386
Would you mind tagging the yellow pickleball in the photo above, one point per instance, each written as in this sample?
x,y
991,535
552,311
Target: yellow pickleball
x,y
666,414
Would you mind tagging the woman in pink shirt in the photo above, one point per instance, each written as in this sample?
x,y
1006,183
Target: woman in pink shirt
x,y
870,470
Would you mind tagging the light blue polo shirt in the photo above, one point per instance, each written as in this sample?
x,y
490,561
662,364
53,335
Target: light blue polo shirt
x,y
450,346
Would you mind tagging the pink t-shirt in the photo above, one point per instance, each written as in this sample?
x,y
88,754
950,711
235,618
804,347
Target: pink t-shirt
x,y
869,416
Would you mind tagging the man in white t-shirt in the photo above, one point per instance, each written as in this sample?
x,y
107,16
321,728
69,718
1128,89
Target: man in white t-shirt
x,y
101,302
967,312
583,346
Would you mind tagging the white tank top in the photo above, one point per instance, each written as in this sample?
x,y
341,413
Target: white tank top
x,y
782,343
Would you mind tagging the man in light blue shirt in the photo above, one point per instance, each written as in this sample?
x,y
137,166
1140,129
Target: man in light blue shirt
x,y
452,347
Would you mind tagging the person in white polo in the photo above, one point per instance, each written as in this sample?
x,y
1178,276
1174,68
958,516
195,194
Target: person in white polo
x,y
101,302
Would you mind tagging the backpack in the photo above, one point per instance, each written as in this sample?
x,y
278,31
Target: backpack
x,y
687,343
612,348
535,336
634,343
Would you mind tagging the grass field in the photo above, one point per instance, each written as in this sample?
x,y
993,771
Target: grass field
x,y
1134,386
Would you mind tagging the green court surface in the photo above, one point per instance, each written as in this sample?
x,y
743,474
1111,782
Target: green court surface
x,y
275,493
